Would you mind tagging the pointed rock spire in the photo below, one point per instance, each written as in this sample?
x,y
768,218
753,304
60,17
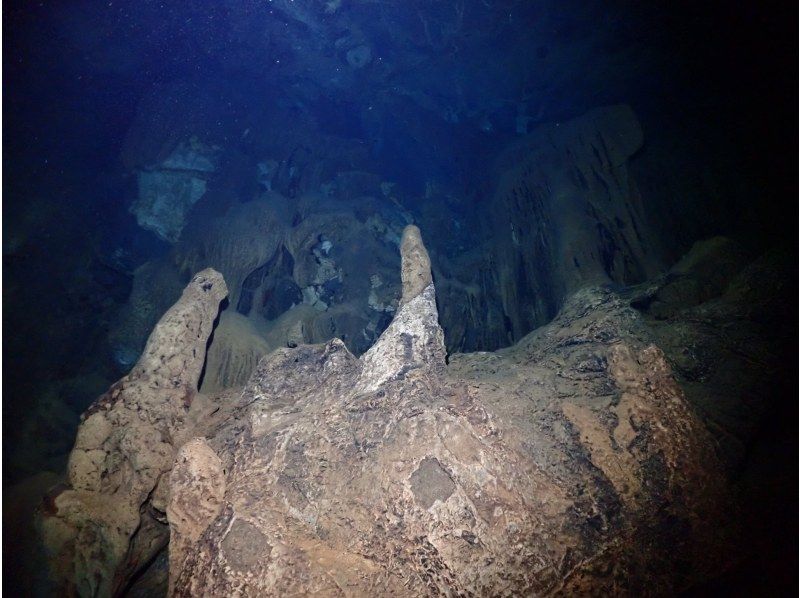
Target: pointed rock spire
x,y
415,270
413,344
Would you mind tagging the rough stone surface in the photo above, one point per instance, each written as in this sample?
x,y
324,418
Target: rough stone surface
x,y
416,267
564,214
169,191
560,211
569,215
165,198
235,244
156,286
569,464
233,353
331,273
109,518
197,470
430,482
724,329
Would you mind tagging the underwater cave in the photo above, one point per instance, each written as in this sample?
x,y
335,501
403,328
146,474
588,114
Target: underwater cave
x,y
383,298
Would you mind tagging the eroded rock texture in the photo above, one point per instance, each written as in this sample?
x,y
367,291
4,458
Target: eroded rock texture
x,y
568,464
109,519
564,213
559,211
568,214
296,274
723,327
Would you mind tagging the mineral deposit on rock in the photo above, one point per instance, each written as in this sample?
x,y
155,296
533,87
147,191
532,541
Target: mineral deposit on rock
x,y
568,464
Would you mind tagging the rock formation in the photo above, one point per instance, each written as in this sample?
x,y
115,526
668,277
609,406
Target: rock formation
x,y
168,191
108,520
723,328
235,244
156,286
233,354
560,211
570,463
287,144
570,214
564,214
297,268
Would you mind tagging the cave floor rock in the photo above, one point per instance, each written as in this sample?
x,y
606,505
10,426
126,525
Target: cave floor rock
x,y
569,464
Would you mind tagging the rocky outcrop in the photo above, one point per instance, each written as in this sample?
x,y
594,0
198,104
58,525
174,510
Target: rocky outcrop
x,y
723,328
413,344
415,271
318,269
109,518
563,213
568,464
169,190
704,273
568,214
197,471
156,286
235,244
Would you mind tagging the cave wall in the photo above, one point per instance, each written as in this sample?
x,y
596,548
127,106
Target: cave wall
x,y
556,210
572,462
568,214
564,213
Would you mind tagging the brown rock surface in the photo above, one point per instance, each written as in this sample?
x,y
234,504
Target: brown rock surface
x,y
568,214
233,354
416,267
109,518
568,464
234,244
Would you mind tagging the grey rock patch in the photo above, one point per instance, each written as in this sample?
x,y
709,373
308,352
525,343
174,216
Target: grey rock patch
x,y
244,545
431,482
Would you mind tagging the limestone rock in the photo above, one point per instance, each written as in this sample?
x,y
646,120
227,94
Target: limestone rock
x,y
197,473
233,354
164,200
702,274
235,244
335,254
276,263
414,340
416,265
107,521
565,214
156,286
570,177
568,464
723,330
169,190
192,156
